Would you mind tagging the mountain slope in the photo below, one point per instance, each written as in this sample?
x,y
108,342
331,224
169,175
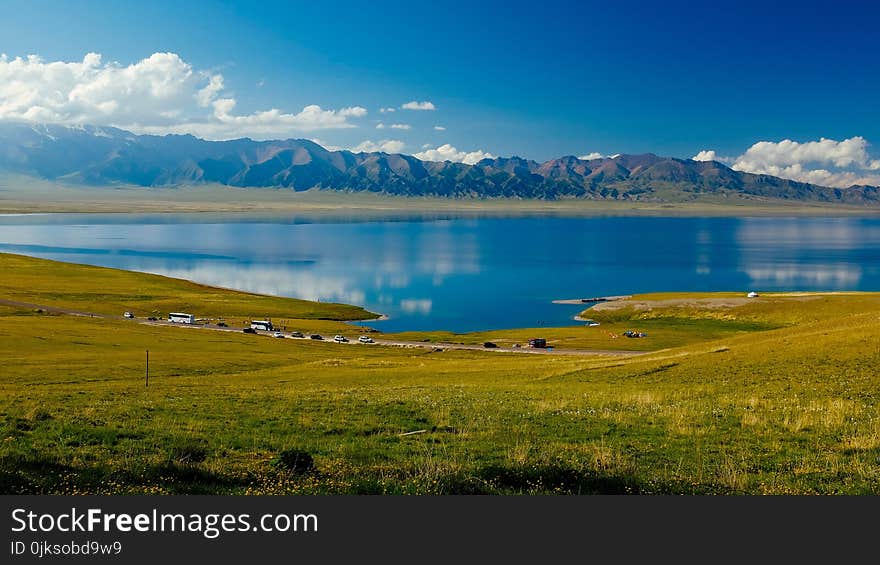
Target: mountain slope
x,y
103,155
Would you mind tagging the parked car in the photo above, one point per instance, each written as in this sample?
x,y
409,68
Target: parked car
x,y
222,325
153,319
296,334
340,338
128,315
316,336
249,330
277,334
489,345
365,339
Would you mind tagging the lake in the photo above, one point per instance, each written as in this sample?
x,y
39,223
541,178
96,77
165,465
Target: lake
x,y
466,273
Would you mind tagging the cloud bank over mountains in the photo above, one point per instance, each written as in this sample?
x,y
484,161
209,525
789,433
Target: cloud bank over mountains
x,y
824,162
164,94
384,145
160,94
447,152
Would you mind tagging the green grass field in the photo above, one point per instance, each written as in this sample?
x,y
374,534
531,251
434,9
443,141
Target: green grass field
x,y
112,292
777,395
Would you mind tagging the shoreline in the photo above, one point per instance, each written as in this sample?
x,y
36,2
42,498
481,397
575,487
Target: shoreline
x,y
25,196
26,209
380,318
592,300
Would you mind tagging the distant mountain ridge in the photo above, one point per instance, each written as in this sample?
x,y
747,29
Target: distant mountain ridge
x,y
103,155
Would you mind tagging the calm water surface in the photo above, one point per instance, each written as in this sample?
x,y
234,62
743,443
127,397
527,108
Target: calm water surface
x,y
465,274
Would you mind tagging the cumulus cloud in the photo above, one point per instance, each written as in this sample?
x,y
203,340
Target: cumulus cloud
x,y
825,162
447,152
414,105
591,156
380,125
159,94
852,151
384,146
439,128
385,110
705,155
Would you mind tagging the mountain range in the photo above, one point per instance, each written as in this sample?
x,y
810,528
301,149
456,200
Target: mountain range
x,y
99,156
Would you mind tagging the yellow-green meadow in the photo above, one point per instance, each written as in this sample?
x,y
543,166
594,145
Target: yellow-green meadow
x,y
773,395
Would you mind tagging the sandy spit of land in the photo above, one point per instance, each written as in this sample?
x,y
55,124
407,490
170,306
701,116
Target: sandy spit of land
x,y
708,303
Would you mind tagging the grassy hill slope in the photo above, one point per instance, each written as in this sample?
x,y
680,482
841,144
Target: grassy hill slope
x,y
112,291
792,409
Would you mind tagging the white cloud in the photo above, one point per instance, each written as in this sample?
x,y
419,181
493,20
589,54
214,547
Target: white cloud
x,y
852,151
705,155
159,94
439,128
325,145
710,155
447,152
381,125
385,110
414,105
385,146
591,156
824,162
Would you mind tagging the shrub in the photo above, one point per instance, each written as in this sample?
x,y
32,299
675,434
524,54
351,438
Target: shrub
x,y
294,461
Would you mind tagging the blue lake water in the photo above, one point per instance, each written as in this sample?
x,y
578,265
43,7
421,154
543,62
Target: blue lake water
x,y
465,274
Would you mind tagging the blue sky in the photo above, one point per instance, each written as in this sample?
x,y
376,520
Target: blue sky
x,y
537,80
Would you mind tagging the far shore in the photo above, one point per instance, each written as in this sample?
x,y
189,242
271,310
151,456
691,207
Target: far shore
x,y
27,196
594,300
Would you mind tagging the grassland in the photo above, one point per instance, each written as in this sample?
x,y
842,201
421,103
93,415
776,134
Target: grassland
x,y
22,194
782,399
112,291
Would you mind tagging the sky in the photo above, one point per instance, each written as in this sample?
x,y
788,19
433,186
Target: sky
x,y
785,88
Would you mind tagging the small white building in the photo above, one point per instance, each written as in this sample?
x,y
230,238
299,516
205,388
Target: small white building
x,y
753,294
181,318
